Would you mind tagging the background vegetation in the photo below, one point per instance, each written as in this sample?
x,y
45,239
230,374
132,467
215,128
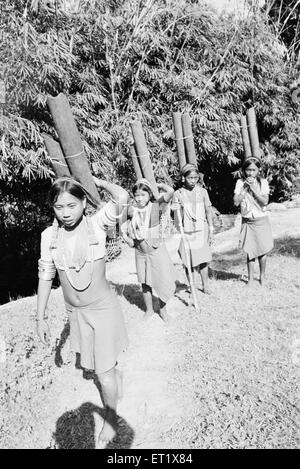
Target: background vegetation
x,y
116,60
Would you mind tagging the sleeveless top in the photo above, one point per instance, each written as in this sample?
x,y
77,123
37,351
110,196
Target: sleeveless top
x,y
193,207
144,224
76,250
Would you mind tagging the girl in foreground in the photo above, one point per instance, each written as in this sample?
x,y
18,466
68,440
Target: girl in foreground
x,y
193,201
154,267
252,195
75,246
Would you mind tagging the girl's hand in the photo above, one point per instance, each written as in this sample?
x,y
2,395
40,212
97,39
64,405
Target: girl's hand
x,y
43,331
210,235
99,182
128,240
175,206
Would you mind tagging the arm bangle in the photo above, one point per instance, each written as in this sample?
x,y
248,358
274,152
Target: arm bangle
x,y
46,269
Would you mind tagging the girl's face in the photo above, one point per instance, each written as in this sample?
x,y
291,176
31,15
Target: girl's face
x,y
251,172
191,179
69,209
141,198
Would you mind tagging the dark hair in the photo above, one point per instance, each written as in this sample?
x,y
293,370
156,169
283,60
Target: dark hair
x,y
246,165
179,182
71,186
144,187
189,171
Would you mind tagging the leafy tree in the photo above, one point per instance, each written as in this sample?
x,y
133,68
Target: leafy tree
x,y
285,17
122,59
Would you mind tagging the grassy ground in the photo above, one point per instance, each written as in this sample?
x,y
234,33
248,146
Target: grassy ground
x,y
226,377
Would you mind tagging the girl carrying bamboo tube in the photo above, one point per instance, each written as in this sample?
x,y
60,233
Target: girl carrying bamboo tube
x,y
75,246
142,231
197,219
252,195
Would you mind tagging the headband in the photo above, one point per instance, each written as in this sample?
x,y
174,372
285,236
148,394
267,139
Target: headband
x,y
76,183
188,167
255,159
145,182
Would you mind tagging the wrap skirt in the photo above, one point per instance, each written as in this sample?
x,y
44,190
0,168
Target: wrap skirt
x,y
155,269
256,236
98,332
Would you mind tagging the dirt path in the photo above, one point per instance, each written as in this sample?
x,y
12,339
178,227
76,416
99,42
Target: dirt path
x,y
221,378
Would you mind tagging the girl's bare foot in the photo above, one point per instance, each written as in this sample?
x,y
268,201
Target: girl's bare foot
x,y
165,317
107,433
148,314
206,291
262,280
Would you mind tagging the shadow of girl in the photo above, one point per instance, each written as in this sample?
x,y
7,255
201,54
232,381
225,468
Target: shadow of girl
x,y
75,429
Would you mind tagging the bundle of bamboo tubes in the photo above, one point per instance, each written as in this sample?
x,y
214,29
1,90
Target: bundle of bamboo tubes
x,y
250,135
184,139
141,157
67,155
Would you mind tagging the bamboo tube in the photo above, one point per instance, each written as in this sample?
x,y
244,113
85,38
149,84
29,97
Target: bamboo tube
x,y
143,155
136,163
188,139
55,152
71,143
179,139
245,138
253,134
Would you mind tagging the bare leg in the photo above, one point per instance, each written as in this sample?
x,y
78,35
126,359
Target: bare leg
x,y
147,294
119,376
163,312
187,277
250,267
109,395
195,273
204,275
262,260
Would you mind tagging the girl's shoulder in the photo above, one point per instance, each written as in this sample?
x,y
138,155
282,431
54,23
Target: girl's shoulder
x,y
47,237
239,183
178,190
47,232
264,185
201,189
264,181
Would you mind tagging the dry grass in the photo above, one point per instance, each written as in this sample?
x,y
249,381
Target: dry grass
x,y
226,377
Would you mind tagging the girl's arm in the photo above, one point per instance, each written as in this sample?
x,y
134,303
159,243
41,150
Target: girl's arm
x,y
167,195
261,199
128,240
238,196
209,215
119,194
125,236
44,289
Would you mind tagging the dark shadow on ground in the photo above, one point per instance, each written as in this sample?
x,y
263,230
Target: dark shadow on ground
x,y
223,275
132,293
222,263
58,360
287,246
181,287
228,259
75,429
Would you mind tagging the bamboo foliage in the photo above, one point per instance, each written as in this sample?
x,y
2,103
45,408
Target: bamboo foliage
x,y
115,59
